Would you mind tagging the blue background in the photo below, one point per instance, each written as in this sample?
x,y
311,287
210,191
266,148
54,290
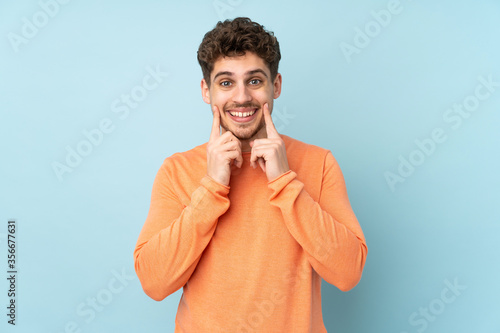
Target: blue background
x,y
75,234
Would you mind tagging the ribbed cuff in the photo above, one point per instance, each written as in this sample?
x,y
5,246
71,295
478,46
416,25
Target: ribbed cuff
x,y
279,183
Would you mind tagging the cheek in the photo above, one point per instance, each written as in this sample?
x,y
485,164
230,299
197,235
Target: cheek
x,y
220,99
264,96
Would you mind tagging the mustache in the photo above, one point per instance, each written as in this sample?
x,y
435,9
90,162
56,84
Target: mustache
x,y
244,105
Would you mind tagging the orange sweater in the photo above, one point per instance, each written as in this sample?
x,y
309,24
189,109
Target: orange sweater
x,y
250,256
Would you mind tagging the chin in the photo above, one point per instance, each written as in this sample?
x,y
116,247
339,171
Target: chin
x,y
248,133
244,132
243,135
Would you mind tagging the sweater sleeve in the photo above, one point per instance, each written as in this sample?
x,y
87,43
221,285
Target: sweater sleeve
x,y
174,235
328,231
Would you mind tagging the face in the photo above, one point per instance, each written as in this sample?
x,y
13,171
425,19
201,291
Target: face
x,y
240,86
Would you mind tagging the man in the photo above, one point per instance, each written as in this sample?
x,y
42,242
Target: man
x,y
249,222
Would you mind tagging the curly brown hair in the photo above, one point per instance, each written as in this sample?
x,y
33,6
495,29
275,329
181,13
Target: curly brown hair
x,y
234,38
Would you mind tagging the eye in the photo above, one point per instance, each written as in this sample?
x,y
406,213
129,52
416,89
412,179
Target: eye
x,y
255,82
225,83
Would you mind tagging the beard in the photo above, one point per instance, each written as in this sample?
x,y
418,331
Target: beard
x,y
244,131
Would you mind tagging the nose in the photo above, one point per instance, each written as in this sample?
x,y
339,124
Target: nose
x,y
241,94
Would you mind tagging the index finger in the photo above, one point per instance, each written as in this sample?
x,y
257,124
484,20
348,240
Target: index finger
x,y
270,129
215,133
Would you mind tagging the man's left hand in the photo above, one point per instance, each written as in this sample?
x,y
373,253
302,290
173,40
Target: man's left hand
x,y
270,153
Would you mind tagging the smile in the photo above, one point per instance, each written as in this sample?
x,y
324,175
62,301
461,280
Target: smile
x,y
242,114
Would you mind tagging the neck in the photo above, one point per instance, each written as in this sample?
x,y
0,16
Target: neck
x,y
245,145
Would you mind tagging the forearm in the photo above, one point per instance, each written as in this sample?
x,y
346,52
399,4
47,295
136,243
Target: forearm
x,y
173,239
331,238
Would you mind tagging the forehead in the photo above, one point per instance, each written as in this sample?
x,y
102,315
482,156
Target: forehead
x,y
240,65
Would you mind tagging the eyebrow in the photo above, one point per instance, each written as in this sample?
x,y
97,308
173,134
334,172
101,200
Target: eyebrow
x,y
252,72
255,71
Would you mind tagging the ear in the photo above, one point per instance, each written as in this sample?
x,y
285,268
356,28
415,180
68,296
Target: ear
x,y
205,91
277,86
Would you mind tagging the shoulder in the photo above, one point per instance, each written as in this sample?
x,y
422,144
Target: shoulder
x,y
187,159
301,149
180,174
307,160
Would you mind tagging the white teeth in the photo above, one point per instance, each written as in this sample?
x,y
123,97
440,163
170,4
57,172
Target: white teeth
x,y
242,114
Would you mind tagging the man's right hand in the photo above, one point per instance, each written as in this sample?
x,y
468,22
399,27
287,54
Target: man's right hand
x,y
222,150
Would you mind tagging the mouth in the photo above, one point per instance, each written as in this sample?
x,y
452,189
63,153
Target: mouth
x,y
242,115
